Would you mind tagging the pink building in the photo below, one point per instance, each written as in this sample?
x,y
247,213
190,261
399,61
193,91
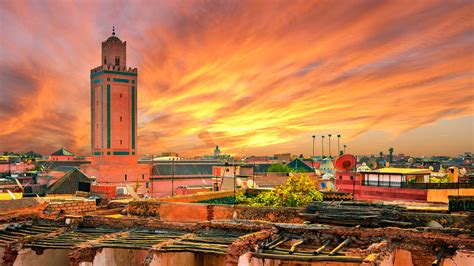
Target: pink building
x,y
114,121
15,168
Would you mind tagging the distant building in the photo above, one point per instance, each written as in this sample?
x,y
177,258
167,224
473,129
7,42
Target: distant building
x,y
217,152
62,155
169,154
167,176
283,157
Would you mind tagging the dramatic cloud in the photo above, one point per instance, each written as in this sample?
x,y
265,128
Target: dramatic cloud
x,y
254,77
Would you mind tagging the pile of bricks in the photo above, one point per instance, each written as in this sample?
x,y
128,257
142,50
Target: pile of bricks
x,y
70,207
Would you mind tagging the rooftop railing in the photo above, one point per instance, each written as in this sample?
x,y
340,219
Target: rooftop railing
x,y
418,185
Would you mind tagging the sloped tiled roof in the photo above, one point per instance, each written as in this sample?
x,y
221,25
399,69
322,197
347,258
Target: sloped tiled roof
x,y
69,183
184,168
299,164
62,152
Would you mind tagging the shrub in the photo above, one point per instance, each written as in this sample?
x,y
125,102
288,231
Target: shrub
x,y
296,192
279,168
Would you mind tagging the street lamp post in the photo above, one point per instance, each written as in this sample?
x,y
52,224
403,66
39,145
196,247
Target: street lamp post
x,y
235,180
338,147
312,159
345,149
322,146
329,135
172,177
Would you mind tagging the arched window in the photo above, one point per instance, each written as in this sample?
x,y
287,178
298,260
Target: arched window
x,y
117,61
105,61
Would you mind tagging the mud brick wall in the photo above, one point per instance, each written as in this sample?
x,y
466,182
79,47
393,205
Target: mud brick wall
x,y
11,205
70,207
15,210
197,197
197,212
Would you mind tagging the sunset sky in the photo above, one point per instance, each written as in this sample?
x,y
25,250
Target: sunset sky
x,y
254,77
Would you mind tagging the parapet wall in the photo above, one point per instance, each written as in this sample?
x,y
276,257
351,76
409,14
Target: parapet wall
x,y
196,212
70,207
200,196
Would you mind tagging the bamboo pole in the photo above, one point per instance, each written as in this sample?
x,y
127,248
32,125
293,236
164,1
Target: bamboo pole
x,y
325,244
293,247
334,251
287,257
278,243
438,259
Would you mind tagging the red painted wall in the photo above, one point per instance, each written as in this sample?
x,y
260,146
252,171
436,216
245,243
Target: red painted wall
x,y
376,193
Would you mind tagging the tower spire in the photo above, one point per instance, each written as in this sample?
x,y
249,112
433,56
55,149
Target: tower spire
x,y
113,30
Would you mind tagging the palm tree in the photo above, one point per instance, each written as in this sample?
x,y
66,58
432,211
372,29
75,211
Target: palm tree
x,y
329,135
390,157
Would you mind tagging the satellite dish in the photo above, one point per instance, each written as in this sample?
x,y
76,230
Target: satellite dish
x,y
346,162
372,163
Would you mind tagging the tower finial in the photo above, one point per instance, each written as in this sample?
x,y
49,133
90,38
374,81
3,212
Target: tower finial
x,y
113,30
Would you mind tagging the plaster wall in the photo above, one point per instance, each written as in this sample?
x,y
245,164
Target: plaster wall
x,y
119,257
27,257
186,259
441,195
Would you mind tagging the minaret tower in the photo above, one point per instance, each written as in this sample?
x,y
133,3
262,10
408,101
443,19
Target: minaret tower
x,y
114,106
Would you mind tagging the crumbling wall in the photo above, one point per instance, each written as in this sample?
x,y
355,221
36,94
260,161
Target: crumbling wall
x,y
20,209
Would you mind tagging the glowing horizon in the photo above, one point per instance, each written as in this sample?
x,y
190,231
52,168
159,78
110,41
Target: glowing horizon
x,y
254,77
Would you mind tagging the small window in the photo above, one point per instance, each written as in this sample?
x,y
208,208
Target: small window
x,y
352,178
340,177
227,170
117,61
120,142
147,184
97,126
125,177
105,61
143,176
97,102
120,119
120,95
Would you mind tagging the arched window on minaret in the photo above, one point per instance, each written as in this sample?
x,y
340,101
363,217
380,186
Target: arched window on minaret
x,y
117,61
105,61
